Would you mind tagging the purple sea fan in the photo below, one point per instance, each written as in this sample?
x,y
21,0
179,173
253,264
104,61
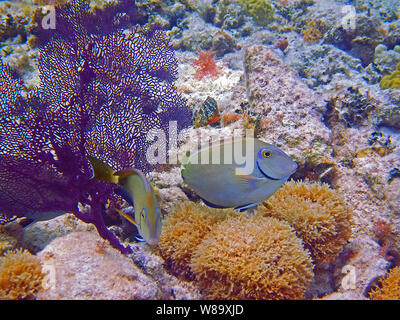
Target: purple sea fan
x,y
100,95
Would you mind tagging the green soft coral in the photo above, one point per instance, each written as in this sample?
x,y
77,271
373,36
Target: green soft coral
x,y
391,80
261,10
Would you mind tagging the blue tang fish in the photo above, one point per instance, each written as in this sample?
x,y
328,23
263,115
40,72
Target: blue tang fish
x,y
248,172
135,188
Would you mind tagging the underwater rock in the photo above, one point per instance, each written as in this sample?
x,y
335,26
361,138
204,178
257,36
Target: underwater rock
x,y
229,15
196,34
82,265
293,112
385,60
353,107
364,266
154,266
39,234
318,65
392,194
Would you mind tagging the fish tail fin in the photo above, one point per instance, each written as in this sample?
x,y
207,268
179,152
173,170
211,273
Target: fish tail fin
x,y
126,216
102,171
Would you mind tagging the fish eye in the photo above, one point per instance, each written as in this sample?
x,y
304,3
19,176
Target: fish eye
x,y
143,213
266,154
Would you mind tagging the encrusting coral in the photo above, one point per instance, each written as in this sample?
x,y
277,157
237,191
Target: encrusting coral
x,y
389,287
391,80
261,10
20,275
183,229
317,213
252,257
313,31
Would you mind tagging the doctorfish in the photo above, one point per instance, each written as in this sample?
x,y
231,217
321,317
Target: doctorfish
x,y
136,189
237,182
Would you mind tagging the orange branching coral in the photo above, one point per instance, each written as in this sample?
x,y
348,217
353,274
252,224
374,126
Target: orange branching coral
x,y
182,230
389,287
206,65
252,258
20,275
317,213
313,31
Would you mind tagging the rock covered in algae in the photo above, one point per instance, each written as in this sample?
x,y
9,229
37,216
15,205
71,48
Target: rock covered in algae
x,y
39,234
293,112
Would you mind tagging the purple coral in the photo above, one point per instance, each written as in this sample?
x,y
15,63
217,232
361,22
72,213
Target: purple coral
x,y
100,94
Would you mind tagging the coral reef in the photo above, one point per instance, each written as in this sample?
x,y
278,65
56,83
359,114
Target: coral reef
x,y
391,80
317,213
252,258
386,60
261,10
290,108
389,287
313,31
183,229
352,107
21,275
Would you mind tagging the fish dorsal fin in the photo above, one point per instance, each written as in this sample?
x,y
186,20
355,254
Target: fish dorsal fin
x,y
126,216
102,171
125,173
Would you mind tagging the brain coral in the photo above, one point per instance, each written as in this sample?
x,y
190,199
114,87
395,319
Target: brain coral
x,y
252,258
391,80
389,287
182,230
317,213
20,275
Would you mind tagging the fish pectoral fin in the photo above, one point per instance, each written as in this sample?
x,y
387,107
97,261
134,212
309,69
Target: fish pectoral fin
x,y
126,216
248,182
246,206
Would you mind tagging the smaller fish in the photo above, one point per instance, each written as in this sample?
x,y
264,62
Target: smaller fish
x,y
135,188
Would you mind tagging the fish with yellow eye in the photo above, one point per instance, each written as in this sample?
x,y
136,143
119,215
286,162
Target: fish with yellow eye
x,y
246,173
135,188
